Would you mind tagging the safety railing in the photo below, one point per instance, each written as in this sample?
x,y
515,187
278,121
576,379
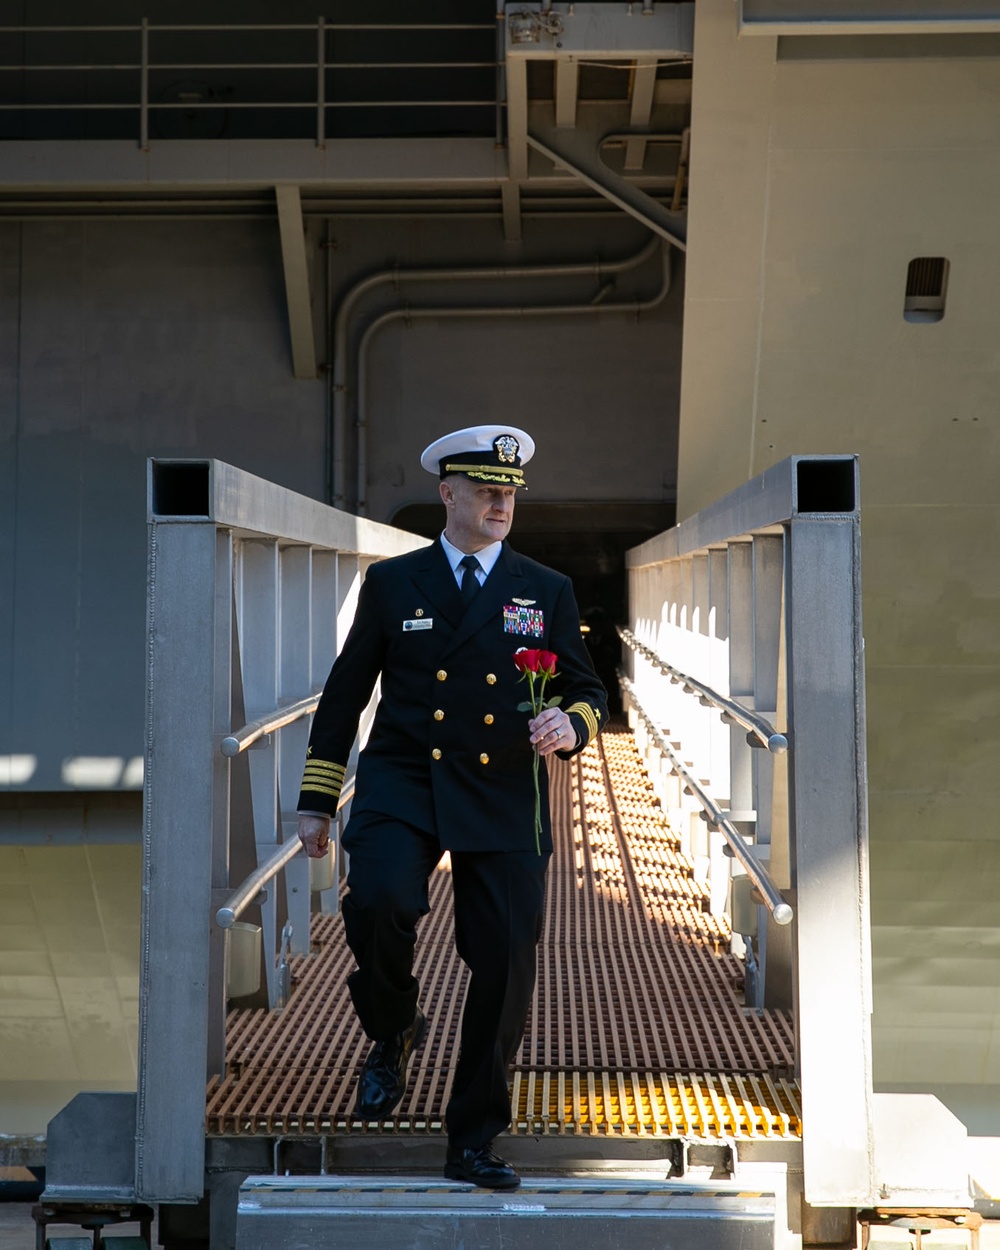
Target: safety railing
x,y
249,890
204,71
732,713
745,632
233,744
251,589
713,815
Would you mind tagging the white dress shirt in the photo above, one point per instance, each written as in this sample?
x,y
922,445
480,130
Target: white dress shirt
x,y
486,557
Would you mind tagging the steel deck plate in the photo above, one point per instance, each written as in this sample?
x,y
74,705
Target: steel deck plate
x,y
287,1213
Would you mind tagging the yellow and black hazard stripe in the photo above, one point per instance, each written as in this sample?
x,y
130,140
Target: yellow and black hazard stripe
x,y
323,777
590,716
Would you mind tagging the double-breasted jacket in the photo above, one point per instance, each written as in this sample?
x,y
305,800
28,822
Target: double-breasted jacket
x,y
449,751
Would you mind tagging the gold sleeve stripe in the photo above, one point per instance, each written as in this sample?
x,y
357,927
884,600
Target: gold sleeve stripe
x,y
315,788
589,717
324,766
330,779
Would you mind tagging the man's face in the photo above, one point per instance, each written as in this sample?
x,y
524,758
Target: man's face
x,y
478,514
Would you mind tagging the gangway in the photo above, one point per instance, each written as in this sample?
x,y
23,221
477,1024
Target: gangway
x,y
697,1061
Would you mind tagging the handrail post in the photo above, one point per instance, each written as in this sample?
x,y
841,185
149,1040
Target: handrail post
x,y
321,82
144,86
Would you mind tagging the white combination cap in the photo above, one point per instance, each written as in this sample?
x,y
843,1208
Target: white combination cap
x,y
486,453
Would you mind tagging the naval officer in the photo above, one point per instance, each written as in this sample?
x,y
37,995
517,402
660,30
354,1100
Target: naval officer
x,y
448,766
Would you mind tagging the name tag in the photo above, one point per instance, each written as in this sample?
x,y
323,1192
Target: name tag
x,y
425,622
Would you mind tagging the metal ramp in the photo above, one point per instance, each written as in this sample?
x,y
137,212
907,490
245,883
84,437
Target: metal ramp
x,y
637,1028
640,1072
289,1213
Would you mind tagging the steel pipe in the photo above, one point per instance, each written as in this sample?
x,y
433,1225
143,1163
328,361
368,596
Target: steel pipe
x,y
235,743
244,894
493,310
773,899
762,730
439,274
241,898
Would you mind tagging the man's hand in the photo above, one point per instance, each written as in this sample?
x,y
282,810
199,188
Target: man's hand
x,y
314,834
552,730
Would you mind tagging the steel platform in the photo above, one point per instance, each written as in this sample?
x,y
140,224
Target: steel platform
x,y
289,1213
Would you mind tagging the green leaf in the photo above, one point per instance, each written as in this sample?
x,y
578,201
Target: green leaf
x,y
555,701
524,707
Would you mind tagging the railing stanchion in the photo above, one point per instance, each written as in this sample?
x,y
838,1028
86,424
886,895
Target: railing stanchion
x,y
321,83
144,87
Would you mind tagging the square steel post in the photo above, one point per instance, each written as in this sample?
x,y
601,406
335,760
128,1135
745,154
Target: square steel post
x,y
829,819
181,731
258,633
294,650
219,939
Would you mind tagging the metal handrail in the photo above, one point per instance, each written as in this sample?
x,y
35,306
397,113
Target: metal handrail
x,y
245,893
235,743
774,900
761,729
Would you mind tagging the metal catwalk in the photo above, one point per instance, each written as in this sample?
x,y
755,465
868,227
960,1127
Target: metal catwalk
x,y
637,1025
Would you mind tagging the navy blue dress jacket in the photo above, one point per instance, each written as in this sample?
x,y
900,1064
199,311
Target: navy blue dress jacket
x,y
448,751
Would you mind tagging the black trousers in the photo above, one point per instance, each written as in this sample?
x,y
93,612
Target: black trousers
x,y
499,899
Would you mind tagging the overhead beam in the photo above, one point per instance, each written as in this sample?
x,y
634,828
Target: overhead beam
x,y
567,88
296,266
250,164
616,32
517,118
510,194
643,86
849,17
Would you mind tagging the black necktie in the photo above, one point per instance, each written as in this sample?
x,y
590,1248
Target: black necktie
x,y
470,583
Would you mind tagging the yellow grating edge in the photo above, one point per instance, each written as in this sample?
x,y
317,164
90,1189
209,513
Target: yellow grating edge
x,y
708,1107
657,1104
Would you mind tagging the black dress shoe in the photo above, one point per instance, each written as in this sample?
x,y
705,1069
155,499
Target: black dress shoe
x,y
382,1082
480,1166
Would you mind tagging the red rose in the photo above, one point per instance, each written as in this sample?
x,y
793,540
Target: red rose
x,y
534,664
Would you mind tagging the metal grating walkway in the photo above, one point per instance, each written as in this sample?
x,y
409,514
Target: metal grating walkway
x,y
637,1027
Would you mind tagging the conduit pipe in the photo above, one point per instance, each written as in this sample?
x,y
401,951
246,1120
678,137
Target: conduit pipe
x,y
593,306
338,351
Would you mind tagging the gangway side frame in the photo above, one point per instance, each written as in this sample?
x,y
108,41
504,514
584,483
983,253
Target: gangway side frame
x,y
267,619
773,570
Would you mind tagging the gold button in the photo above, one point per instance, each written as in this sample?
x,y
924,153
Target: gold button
x,y
439,715
436,753
442,675
491,678
484,758
488,718
419,612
